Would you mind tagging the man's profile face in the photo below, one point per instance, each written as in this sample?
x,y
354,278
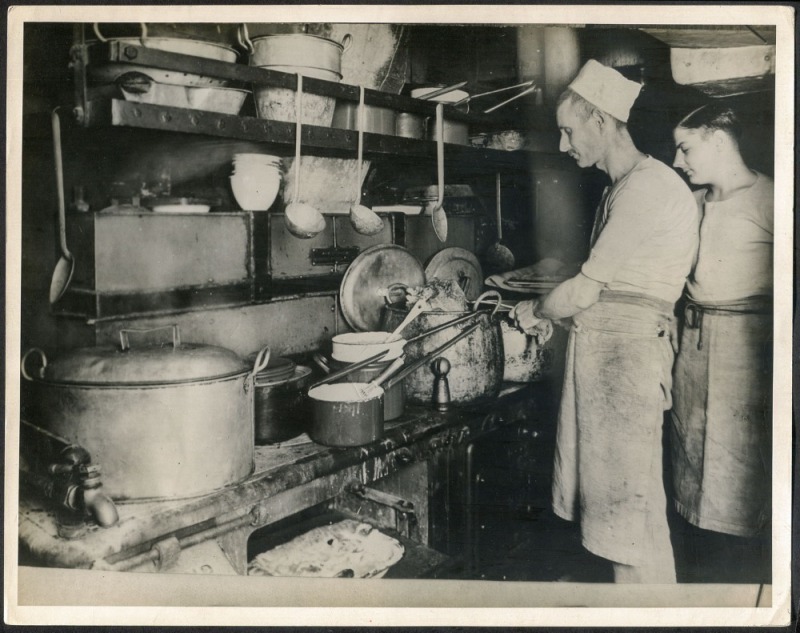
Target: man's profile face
x,y
580,134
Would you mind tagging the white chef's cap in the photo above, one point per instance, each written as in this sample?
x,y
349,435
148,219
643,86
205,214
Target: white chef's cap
x,y
606,89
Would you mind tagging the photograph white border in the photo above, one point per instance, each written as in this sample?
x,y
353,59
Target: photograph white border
x,y
108,598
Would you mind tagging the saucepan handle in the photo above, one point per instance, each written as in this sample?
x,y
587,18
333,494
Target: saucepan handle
x,y
429,357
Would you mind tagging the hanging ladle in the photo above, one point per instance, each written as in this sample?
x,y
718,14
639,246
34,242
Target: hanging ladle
x,y
499,255
363,219
65,266
438,216
302,220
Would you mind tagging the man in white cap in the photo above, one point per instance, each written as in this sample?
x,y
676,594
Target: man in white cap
x,y
608,464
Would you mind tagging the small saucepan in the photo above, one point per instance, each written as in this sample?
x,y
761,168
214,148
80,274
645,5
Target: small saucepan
x,y
351,414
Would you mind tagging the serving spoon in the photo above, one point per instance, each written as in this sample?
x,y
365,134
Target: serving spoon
x,y
363,219
302,219
65,266
438,215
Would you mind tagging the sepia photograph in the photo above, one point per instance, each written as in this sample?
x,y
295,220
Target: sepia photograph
x,y
391,315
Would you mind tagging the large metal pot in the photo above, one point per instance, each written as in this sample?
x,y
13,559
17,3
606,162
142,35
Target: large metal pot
x,y
108,73
377,120
526,359
161,421
476,362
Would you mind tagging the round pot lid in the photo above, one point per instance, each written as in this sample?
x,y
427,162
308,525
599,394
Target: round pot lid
x,y
458,264
153,364
363,289
277,368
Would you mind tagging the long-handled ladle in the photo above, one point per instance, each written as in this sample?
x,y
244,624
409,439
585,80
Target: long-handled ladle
x,y
302,220
438,215
65,266
363,219
498,254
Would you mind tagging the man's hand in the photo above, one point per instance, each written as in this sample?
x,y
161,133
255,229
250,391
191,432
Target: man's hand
x,y
525,318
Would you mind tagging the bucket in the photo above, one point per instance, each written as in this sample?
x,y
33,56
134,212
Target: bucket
x,y
297,53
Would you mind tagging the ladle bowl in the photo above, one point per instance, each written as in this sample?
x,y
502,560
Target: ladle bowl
x,y
303,220
363,219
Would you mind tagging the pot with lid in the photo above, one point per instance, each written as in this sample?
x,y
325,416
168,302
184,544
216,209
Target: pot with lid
x,y
281,407
162,421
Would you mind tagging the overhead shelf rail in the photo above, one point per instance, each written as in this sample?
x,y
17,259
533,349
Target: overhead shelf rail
x,y
102,105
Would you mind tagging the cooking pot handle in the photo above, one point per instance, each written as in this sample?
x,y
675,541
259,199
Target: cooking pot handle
x,y
321,362
493,294
262,360
347,42
392,290
125,345
24,360
96,28
243,36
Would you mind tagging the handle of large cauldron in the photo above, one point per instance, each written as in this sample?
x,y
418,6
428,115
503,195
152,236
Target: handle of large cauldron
x,y
125,344
142,37
243,36
493,294
393,290
24,362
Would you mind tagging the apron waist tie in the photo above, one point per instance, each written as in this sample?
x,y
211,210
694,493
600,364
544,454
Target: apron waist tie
x,y
694,310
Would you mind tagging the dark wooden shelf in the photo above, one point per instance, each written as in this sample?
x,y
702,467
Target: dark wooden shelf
x,y
101,106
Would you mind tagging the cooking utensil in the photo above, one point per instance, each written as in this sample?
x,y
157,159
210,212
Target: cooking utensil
x,y
492,92
509,100
373,387
363,219
476,369
438,215
365,281
457,264
280,406
302,220
65,266
348,369
394,399
443,91
417,309
498,254
163,422
108,73
427,358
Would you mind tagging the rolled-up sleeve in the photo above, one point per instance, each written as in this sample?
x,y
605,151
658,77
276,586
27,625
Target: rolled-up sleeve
x,y
630,222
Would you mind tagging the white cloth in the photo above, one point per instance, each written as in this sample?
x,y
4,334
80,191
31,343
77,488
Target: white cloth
x,y
606,88
736,243
645,235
